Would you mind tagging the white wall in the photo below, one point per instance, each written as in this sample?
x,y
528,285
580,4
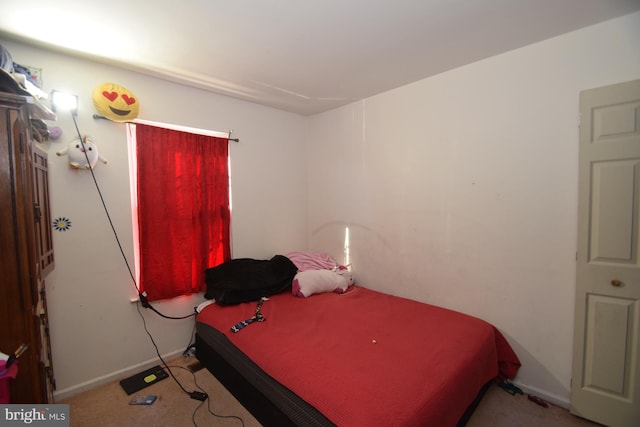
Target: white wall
x,y
96,332
460,190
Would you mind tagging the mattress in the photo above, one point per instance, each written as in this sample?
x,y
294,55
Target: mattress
x,y
359,358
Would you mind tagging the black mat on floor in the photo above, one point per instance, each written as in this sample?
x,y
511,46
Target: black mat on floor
x,y
143,379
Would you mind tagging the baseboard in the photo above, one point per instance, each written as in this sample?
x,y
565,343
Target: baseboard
x,y
563,402
60,395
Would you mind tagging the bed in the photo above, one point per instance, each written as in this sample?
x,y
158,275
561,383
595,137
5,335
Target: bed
x,y
359,358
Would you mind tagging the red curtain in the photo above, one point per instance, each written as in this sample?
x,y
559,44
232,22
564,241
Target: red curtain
x,y
183,209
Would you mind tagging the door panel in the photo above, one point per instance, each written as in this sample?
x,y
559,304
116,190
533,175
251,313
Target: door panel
x,y
606,360
613,211
609,340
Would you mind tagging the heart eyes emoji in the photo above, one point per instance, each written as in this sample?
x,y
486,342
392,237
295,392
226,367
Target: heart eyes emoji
x,y
111,96
115,102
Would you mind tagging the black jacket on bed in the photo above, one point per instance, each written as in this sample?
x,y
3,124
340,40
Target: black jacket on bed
x,y
246,279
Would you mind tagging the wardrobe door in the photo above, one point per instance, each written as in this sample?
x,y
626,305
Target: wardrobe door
x,y
19,318
44,239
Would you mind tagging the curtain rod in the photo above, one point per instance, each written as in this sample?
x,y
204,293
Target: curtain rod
x,y
174,127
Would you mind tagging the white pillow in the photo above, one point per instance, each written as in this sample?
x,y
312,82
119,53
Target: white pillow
x,y
309,282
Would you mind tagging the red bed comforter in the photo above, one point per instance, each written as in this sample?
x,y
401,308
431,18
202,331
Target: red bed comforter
x,y
365,358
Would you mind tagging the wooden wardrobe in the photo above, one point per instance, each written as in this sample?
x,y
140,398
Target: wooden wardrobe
x,y
26,248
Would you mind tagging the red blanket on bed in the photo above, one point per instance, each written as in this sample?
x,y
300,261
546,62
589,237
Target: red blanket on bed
x,y
365,358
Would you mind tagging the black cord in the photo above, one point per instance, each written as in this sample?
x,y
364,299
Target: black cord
x,y
190,350
193,416
143,298
155,346
141,295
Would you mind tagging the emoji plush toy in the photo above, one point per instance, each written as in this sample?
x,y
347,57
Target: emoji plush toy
x,y
79,152
115,102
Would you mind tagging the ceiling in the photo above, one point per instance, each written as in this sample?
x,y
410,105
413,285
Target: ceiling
x,y
301,56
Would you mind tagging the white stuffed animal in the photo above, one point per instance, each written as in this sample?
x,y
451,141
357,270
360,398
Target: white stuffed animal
x,y
79,152
309,282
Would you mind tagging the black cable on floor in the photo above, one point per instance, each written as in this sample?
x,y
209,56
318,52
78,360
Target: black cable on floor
x,y
193,416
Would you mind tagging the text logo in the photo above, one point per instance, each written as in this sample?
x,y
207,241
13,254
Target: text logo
x,y
35,415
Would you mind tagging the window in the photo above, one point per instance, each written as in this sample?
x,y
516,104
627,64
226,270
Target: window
x,y
181,200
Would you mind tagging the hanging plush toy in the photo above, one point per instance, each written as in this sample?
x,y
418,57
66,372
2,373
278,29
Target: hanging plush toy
x,y
115,102
81,151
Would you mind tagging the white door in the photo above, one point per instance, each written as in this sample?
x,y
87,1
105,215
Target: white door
x,y
606,355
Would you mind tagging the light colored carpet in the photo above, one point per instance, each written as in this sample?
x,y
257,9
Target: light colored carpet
x,y
108,406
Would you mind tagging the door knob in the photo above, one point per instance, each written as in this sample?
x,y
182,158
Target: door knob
x,y
616,283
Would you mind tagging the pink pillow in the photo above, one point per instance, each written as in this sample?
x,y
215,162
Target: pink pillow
x,y
311,261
